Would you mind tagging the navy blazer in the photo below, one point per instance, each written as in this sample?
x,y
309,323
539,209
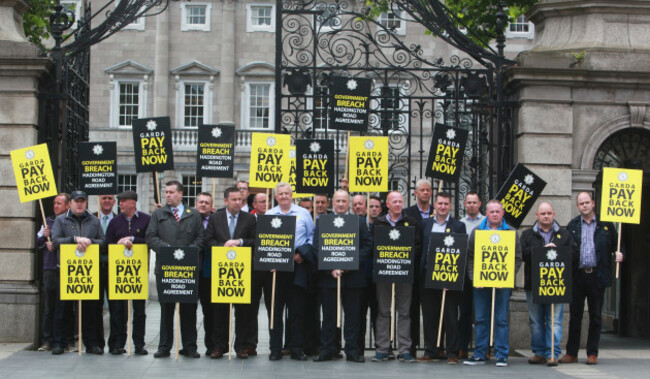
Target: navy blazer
x,y
305,274
453,226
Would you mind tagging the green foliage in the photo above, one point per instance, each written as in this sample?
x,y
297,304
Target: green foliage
x,y
36,21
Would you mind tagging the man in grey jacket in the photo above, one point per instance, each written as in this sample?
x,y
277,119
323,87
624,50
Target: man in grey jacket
x,y
175,224
77,226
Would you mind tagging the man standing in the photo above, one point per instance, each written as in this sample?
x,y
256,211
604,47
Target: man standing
x,y
242,185
321,202
546,232
403,291
483,296
431,299
230,228
359,205
78,226
472,219
175,224
204,206
105,215
352,284
126,229
307,203
290,283
597,241
50,271
369,297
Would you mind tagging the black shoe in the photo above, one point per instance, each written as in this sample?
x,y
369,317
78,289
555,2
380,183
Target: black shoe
x,y
117,351
355,358
95,350
275,356
57,350
192,354
298,356
323,357
139,350
339,355
161,354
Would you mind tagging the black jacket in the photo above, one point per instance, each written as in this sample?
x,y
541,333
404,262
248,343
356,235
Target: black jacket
x,y
605,241
414,212
531,238
453,226
406,220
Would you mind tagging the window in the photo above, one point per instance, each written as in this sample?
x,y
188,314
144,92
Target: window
x,y
521,28
194,91
137,24
129,103
127,183
257,111
195,16
392,21
260,18
194,95
193,186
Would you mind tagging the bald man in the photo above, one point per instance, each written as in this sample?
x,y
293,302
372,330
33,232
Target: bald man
x,y
546,232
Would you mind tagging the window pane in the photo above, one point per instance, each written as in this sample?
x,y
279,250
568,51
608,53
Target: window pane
x,y
391,20
193,187
261,16
193,101
259,105
127,183
195,14
128,103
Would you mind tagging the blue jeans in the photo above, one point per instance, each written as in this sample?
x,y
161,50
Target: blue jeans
x,y
482,309
540,327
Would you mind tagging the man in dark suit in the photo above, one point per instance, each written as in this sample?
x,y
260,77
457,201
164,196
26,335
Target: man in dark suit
x,y
352,284
230,228
204,205
431,299
118,318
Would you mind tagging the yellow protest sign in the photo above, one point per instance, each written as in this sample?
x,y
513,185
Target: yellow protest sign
x,y
79,273
127,272
292,175
269,159
368,164
621,198
231,274
33,171
494,258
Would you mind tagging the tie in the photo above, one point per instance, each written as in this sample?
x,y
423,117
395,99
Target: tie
x,y
104,223
176,215
231,226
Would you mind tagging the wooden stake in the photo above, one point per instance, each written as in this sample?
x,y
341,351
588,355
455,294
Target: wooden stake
x,y
79,321
442,312
494,292
368,209
214,189
552,331
347,157
40,203
338,301
618,246
392,313
272,301
129,333
178,326
230,333
268,200
156,188
313,207
440,185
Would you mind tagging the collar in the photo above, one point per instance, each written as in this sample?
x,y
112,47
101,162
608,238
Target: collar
x,y
484,225
391,220
428,210
478,217
228,214
435,220
554,228
593,220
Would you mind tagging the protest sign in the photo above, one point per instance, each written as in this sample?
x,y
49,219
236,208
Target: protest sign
x,y
315,166
127,272
393,254
338,242
446,153
350,103
231,275
621,195
292,176
270,162
274,245
152,144
215,151
33,172
178,279
98,168
551,275
79,272
446,261
518,194
368,164
494,258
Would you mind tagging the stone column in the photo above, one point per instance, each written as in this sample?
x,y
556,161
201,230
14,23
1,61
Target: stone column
x,y
20,69
227,91
161,68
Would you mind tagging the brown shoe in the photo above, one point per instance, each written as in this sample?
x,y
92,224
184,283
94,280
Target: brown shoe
x,y
552,362
592,360
462,354
568,359
241,354
487,355
251,351
535,360
440,356
425,358
452,361
216,354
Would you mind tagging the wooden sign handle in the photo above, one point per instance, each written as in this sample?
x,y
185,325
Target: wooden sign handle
x,y
178,317
552,332
156,188
79,321
618,246
272,301
392,313
40,203
338,301
494,291
347,157
230,333
442,312
129,333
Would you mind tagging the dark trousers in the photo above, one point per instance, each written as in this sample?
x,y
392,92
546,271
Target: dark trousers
x,y
282,287
368,302
117,336
64,320
50,296
431,300
89,324
205,296
297,317
311,326
139,319
221,325
188,326
415,319
585,286
466,315
352,308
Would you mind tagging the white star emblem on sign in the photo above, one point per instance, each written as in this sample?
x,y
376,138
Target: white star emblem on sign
x,y
292,154
79,254
270,141
339,222
551,255
394,234
231,254
451,134
98,149
622,176
29,154
495,238
179,254
369,144
128,253
152,125
528,179
449,241
314,147
276,223
351,84
216,132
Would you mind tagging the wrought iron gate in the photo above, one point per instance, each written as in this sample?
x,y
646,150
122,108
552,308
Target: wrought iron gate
x,y
412,90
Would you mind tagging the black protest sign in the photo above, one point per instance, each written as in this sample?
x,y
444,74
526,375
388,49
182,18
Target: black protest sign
x,y
315,166
152,144
551,275
393,254
349,104
446,153
98,168
215,151
274,245
518,194
178,278
338,242
446,261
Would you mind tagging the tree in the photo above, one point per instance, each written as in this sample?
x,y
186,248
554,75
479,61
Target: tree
x,y
36,21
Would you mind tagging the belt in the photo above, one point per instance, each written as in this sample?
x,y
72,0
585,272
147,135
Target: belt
x,y
587,270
